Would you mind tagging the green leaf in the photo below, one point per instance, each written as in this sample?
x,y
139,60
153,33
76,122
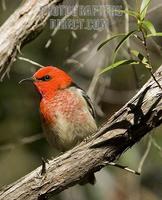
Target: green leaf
x,y
143,8
155,34
122,41
148,25
108,40
135,53
141,57
118,64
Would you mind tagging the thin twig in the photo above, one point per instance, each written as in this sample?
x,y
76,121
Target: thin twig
x,y
124,168
156,144
144,156
96,95
71,60
148,58
137,5
22,141
4,7
157,46
93,83
158,6
128,43
85,48
5,70
30,61
103,83
59,24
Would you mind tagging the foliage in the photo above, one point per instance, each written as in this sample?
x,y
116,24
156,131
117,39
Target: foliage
x,y
144,30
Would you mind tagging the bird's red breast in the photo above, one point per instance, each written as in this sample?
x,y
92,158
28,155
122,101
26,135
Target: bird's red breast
x,y
66,118
66,103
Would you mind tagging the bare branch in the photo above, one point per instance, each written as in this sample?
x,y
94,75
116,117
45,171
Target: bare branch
x,y
144,156
22,141
30,61
22,26
124,168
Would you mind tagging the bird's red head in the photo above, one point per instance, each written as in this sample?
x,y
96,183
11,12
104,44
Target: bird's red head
x,y
50,79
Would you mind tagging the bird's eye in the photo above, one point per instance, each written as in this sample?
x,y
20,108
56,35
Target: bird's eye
x,y
46,78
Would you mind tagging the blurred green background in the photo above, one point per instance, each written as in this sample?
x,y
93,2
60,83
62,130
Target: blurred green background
x,y
75,52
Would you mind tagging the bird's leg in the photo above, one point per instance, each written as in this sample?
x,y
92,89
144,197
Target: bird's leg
x,y
41,175
43,170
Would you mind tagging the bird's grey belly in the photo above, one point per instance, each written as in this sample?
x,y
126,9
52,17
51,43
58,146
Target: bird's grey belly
x,y
64,136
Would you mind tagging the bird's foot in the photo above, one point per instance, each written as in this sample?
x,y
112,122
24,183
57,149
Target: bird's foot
x,y
87,138
41,175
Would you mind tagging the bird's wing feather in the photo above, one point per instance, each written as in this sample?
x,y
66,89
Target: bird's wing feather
x,y
87,99
90,105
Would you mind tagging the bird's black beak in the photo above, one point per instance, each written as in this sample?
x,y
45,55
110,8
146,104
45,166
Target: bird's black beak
x,y
26,79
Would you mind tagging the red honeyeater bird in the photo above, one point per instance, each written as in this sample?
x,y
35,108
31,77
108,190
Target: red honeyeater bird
x,y
67,113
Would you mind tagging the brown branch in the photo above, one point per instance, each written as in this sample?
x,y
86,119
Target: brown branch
x,y
23,25
125,128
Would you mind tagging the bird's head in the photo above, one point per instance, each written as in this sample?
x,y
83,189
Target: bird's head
x,y
49,79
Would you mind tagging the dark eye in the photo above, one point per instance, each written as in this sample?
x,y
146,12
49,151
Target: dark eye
x,y
44,78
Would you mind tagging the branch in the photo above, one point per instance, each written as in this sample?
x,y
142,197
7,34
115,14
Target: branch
x,y
125,128
23,25
22,141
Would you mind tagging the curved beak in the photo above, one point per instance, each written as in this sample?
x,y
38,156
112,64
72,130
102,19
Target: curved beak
x,y
26,79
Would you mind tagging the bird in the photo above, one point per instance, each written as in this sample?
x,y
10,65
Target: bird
x,y
67,113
